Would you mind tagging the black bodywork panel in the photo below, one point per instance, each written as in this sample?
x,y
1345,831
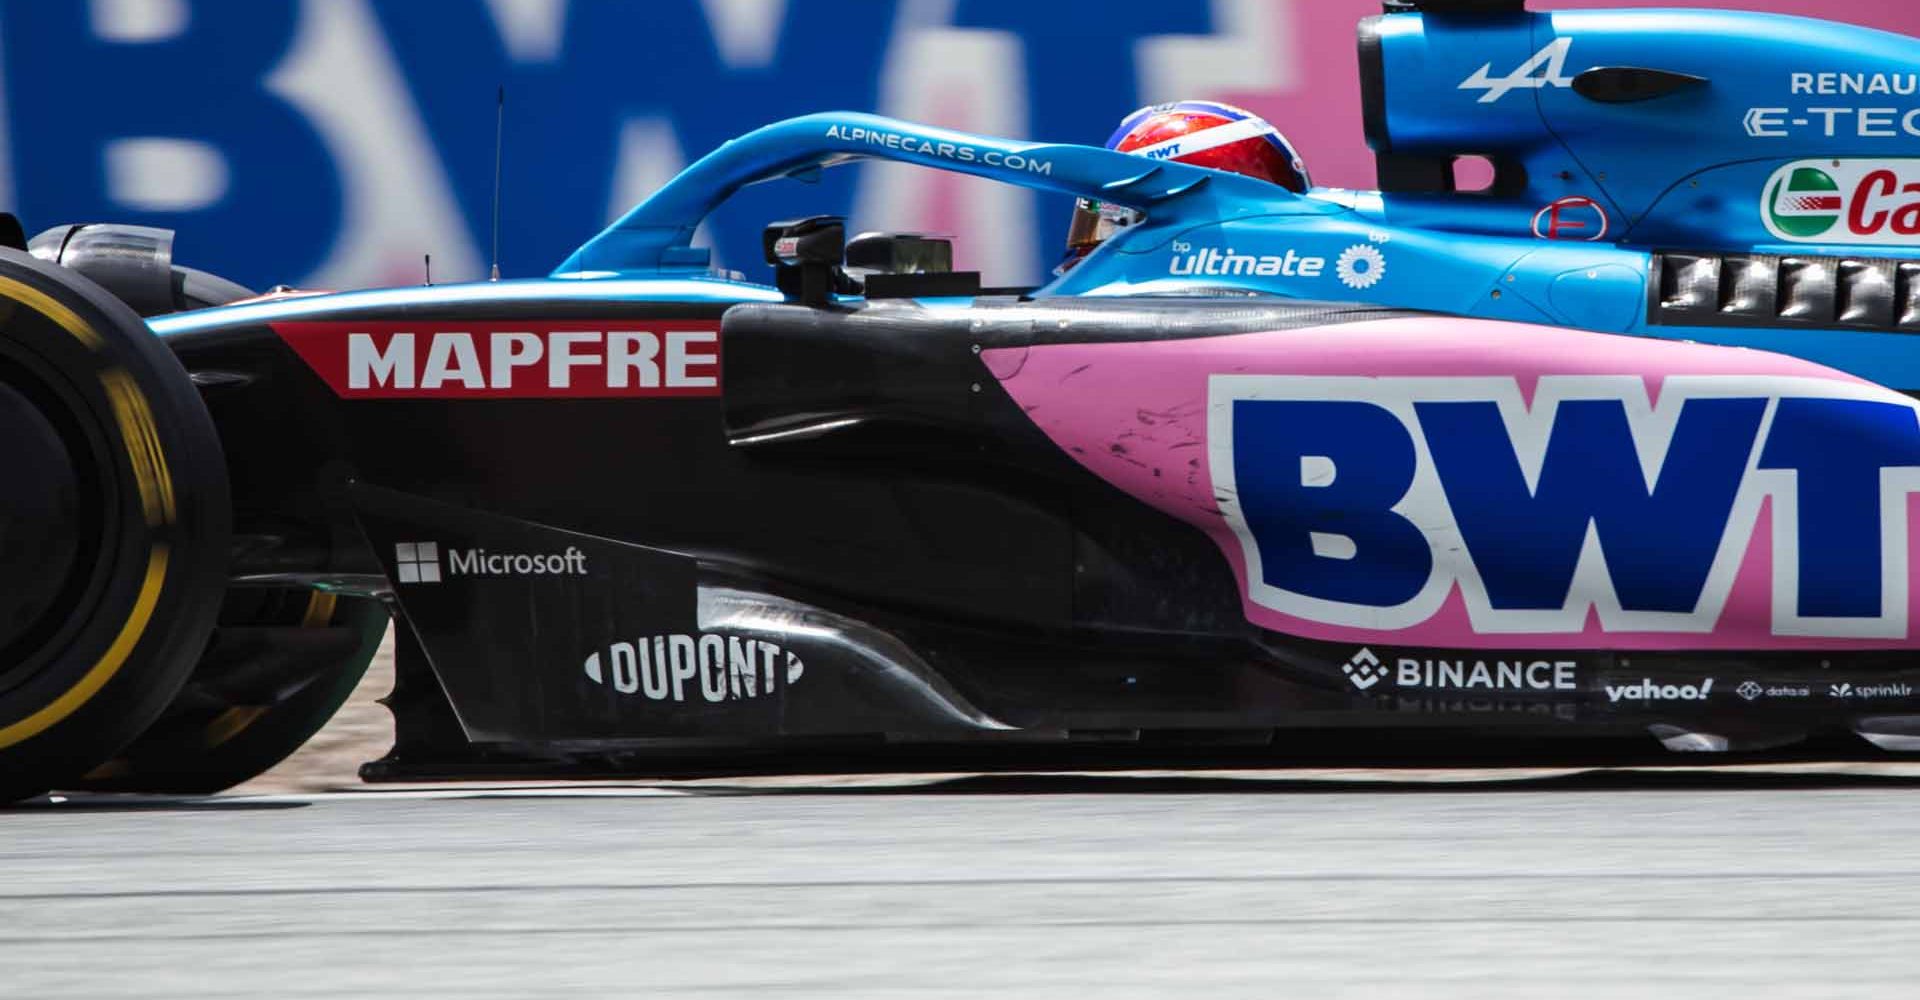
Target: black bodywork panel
x,y
861,539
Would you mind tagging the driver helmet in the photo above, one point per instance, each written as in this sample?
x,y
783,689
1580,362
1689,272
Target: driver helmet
x,y
1200,133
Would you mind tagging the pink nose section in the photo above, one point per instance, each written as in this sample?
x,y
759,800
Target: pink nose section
x,y
1155,419
1004,362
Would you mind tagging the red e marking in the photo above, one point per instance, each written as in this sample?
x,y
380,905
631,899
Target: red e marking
x,y
1575,217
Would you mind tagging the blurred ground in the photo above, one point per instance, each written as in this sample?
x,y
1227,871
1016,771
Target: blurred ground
x,y
361,732
1708,885
1755,881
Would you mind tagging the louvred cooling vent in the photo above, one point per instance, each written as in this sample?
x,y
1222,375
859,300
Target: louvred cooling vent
x,y
1769,290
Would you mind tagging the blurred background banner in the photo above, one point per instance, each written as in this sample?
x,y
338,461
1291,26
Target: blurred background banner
x,y
333,142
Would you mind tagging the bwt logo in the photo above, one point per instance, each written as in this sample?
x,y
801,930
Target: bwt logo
x,y
357,134
1364,502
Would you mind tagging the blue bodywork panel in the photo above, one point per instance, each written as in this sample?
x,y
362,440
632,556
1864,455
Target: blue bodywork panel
x,y
1616,137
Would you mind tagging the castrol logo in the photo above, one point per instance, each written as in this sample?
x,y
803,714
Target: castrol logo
x,y
1874,202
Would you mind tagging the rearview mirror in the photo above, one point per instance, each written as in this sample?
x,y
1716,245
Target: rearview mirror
x,y
805,254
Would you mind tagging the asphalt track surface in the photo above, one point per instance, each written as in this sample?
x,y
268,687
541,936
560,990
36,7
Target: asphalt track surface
x,y
1803,883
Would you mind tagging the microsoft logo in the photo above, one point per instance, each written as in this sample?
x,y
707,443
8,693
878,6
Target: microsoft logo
x,y
419,561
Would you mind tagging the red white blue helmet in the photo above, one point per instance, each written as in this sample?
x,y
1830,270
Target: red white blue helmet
x,y
1200,133
1210,134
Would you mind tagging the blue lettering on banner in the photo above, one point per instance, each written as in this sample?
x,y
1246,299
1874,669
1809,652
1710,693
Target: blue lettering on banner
x,y
1363,502
207,80
71,96
620,62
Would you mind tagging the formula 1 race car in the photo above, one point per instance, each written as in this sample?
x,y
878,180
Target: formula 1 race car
x,y
1625,445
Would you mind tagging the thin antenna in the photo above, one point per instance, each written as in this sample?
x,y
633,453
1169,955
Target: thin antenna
x,y
499,137
429,266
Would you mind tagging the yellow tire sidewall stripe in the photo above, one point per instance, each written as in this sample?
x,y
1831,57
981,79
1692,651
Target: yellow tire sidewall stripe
x,y
236,719
109,665
142,443
320,608
231,723
142,440
50,307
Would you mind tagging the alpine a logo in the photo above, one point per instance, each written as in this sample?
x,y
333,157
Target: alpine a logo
x,y
517,360
1380,502
421,562
1547,68
1650,690
1873,202
699,667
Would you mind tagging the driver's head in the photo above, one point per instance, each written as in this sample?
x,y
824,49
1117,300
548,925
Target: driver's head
x,y
1201,133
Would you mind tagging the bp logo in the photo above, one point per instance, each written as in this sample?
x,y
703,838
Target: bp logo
x,y
1361,266
1804,204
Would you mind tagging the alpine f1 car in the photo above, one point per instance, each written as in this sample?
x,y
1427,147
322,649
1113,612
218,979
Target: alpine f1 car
x,y
1625,444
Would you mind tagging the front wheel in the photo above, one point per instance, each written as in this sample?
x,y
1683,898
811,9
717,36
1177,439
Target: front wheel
x,y
114,521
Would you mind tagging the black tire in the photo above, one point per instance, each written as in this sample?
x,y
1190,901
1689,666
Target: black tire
x,y
278,667
114,524
281,663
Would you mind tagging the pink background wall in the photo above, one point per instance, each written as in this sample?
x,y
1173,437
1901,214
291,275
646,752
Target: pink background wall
x,y
1294,62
